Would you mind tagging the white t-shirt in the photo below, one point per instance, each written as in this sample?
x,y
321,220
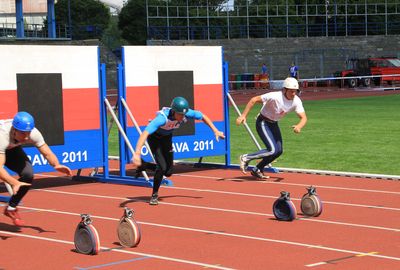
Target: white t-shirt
x,y
7,140
276,105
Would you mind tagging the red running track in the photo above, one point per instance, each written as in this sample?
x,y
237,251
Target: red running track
x,y
210,218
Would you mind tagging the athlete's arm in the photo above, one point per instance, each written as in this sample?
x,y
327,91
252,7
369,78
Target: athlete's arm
x,y
150,129
137,161
53,160
208,122
250,104
303,120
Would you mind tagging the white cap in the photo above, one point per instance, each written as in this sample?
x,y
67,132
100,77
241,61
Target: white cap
x,y
291,83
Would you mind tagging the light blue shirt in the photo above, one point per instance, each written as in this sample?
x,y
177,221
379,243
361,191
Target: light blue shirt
x,y
164,123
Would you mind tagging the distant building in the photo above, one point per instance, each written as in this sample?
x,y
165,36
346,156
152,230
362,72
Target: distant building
x,y
34,12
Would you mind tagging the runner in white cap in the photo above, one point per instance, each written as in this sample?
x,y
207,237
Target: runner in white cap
x,y
276,105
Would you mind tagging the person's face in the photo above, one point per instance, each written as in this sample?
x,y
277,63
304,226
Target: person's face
x,y
290,93
179,116
22,136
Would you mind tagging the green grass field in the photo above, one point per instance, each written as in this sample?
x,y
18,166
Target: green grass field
x,y
352,135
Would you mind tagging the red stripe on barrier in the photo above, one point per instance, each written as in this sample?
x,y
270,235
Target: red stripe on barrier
x,y
209,100
8,104
81,109
80,106
143,103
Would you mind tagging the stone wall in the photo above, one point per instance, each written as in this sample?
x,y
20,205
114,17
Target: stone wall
x,y
315,56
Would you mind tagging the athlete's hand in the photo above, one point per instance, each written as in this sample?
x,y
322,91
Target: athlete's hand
x,y
137,161
241,119
16,187
63,169
296,129
219,134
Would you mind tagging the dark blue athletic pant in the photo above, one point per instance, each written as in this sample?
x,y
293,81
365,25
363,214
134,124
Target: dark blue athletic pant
x,y
270,134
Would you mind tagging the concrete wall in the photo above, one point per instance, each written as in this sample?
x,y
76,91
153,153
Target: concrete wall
x,y
316,57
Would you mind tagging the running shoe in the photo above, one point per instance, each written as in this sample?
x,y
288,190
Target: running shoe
x,y
14,215
243,164
258,174
154,199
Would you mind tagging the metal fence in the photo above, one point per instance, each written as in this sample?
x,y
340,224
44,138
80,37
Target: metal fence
x,y
9,31
356,83
40,31
168,21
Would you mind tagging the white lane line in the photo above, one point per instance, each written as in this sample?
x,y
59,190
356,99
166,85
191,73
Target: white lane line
x,y
340,259
265,182
223,210
289,184
119,250
226,234
316,264
275,197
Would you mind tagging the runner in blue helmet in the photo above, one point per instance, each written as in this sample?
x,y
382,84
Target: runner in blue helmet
x,y
13,134
180,105
159,136
23,121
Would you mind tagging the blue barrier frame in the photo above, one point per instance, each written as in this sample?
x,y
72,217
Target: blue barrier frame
x,y
124,155
106,177
123,178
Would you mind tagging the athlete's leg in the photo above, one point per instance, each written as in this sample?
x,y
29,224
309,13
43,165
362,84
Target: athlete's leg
x,y
270,134
18,161
168,155
274,136
155,145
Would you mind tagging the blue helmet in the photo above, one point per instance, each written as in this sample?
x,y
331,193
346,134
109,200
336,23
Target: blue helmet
x,y
180,105
23,121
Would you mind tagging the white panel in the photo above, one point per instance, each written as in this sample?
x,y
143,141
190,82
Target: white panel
x,y
77,64
142,63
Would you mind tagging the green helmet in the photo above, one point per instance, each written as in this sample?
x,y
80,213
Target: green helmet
x,y
180,105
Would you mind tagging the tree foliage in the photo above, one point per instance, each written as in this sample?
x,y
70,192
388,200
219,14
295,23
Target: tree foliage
x,y
89,18
112,35
132,22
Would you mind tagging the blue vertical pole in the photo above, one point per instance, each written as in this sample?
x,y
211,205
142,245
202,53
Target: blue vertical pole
x,y
225,74
19,15
103,115
123,153
51,19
